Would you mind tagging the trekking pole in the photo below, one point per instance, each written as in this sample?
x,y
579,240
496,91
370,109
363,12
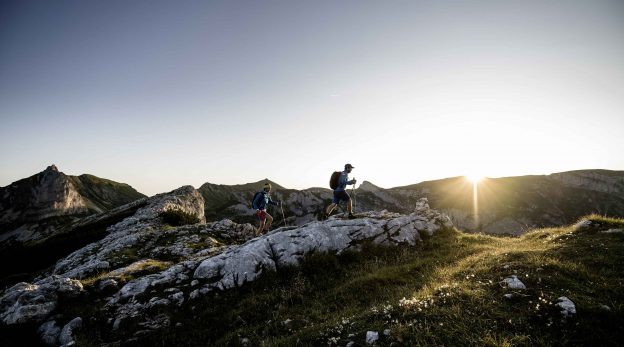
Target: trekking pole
x,y
283,215
353,192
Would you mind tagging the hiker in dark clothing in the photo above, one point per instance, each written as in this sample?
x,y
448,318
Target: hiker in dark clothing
x,y
260,202
340,193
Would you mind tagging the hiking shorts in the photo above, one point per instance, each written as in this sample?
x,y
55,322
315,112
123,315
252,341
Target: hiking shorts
x,y
341,196
261,215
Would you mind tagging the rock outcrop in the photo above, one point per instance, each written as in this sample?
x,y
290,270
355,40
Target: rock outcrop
x,y
139,232
25,302
143,264
288,247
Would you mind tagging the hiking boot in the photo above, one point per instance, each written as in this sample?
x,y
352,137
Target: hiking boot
x,y
351,216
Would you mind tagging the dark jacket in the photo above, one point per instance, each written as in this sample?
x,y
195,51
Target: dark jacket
x,y
262,200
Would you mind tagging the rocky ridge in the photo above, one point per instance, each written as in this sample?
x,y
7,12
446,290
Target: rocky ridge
x,y
143,264
508,205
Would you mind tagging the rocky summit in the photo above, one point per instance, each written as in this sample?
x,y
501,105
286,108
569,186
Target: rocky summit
x,y
36,207
144,265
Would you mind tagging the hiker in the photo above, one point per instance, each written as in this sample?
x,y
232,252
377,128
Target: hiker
x,y
260,202
340,193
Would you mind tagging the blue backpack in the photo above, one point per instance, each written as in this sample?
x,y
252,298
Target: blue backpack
x,y
253,201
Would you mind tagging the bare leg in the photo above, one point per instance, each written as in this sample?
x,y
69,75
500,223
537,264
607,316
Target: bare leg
x,y
350,206
269,221
260,228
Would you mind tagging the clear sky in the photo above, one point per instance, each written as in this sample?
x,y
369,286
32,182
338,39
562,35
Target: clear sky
x,y
159,94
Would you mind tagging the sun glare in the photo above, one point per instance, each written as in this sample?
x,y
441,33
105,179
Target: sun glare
x,y
474,178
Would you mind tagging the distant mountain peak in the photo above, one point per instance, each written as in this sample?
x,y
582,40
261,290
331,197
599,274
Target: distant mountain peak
x,y
51,194
52,168
368,186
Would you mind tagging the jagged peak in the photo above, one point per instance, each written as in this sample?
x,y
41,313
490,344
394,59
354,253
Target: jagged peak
x,y
368,186
52,168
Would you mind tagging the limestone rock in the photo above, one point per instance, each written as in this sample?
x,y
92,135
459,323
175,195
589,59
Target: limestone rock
x,y
514,283
371,337
288,246
49,333
67,338
568,309
137,230
25,302
107,285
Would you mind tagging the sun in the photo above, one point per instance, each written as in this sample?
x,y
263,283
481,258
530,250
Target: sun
x,y
474,178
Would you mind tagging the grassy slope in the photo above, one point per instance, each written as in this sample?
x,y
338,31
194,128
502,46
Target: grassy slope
x,y
452,290
541,199
104,194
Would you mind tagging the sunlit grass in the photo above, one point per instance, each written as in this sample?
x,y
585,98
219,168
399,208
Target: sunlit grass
x,y
446,291
129,272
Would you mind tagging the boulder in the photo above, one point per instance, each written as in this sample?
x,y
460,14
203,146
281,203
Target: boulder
x,y
514,283
49,333
371,337
67,337
568,309
25,302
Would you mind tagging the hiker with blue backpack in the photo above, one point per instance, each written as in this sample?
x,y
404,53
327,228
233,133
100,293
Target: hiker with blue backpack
x,y
260,202
338,182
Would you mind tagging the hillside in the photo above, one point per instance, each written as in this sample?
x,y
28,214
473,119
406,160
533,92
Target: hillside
x,y
50,214
449,290
405,279
126,286
509,205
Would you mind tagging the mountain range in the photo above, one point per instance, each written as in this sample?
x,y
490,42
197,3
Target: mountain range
x,y
50,214
90,261
509,205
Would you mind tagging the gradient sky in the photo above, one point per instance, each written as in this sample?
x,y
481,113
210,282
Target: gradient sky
x,y
159,94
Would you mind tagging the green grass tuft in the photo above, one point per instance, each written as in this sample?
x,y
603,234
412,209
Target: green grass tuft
x,y
177,217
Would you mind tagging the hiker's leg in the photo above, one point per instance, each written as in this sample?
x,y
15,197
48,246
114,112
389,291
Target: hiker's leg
x,y
344,196
260,228
330,208
335,202
269,221
262,217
